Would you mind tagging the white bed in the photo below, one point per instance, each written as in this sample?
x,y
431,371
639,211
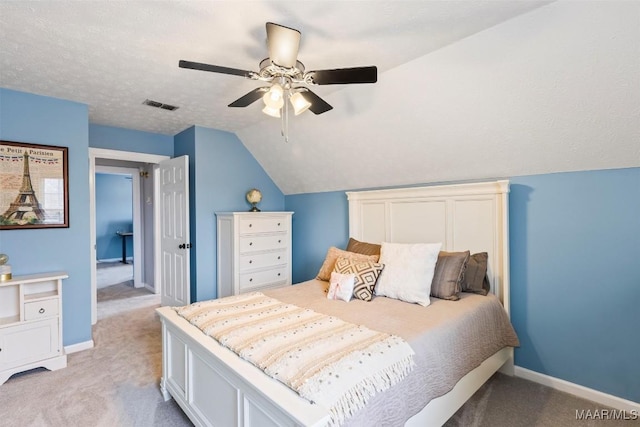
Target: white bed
x,y
215,387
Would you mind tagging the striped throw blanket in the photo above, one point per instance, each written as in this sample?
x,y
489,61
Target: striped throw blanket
x,y
324,359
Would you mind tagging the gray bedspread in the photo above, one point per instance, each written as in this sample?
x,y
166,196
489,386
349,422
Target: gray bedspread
x,y
450,339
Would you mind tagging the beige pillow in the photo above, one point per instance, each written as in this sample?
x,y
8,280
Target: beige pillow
x,y
363,247
332,255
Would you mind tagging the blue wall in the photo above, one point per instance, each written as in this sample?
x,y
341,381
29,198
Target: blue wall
x,y
575,281
42,120
221,170
115,138
320,220
114,212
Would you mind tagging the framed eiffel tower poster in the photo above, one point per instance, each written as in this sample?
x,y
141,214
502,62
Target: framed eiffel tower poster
x,y
34,186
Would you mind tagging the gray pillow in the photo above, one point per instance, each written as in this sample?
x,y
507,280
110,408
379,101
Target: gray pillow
x,y
449,273
363,248
475,277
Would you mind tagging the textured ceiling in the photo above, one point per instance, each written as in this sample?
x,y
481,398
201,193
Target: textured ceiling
x,y
112,55
466,90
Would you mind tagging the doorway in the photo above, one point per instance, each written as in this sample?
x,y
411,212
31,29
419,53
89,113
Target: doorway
x,y
144,171
118,227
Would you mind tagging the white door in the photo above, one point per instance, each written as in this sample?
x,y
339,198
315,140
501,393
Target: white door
x,y
174,233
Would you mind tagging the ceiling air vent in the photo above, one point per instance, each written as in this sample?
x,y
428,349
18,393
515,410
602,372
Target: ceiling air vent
x,y
160,105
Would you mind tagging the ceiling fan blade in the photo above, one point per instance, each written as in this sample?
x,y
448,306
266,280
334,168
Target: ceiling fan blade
x,y
250,97
345,75
283,43
318,105
213,68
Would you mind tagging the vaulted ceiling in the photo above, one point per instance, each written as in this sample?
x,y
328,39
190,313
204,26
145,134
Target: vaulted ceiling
x,y
466,89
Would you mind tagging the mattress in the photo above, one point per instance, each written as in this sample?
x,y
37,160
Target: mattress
x,y
450,338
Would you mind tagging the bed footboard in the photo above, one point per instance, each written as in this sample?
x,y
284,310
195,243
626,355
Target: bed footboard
x,y
215,387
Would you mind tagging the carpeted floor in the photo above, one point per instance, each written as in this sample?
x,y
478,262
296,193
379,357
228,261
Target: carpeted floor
x,y
112,272
116,383
113,384
506,401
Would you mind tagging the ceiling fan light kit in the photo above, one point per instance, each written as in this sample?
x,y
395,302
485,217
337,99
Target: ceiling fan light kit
x,y
288,78
299,102
273,112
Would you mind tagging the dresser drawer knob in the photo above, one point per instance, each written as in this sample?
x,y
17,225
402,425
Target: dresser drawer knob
x,y
250,225
250,261
278,274
251,279
279,241
41,311
278,256
278,224
250,243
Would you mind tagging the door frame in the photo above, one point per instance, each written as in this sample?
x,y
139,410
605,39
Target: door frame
x,y
153,159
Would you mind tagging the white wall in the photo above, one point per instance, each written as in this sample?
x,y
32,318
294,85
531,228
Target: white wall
x,y
557,89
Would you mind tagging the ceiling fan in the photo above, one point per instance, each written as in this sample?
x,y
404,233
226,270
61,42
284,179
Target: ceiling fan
x,y
288,78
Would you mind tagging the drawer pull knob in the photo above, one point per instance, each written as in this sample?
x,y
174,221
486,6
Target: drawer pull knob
x,y
278,224
41,311
250,261
278,256
278,274
250,225
279,241
250,243
251,279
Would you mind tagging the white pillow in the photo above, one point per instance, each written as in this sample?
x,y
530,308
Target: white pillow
x,y
341,286
408,271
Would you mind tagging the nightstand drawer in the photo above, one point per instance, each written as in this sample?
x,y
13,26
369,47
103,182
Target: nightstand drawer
x,y
40,309
253,261
263,243
262,225
260,278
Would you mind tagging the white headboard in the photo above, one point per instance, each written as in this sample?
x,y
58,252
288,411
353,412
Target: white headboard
x,y
461,216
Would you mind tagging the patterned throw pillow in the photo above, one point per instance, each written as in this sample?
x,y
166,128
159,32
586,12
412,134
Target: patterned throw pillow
x,y
366,275
330,261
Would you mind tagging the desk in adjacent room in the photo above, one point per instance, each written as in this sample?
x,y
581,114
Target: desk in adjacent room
x,y
123,235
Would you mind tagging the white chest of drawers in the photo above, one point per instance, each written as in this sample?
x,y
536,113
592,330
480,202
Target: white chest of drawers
x,y
31,323
254,251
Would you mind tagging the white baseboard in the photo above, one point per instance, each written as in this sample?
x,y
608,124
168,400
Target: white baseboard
x,y
577,390
74,348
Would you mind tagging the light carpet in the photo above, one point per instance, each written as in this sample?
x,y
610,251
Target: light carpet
x,y
113,384
116,383
112,272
